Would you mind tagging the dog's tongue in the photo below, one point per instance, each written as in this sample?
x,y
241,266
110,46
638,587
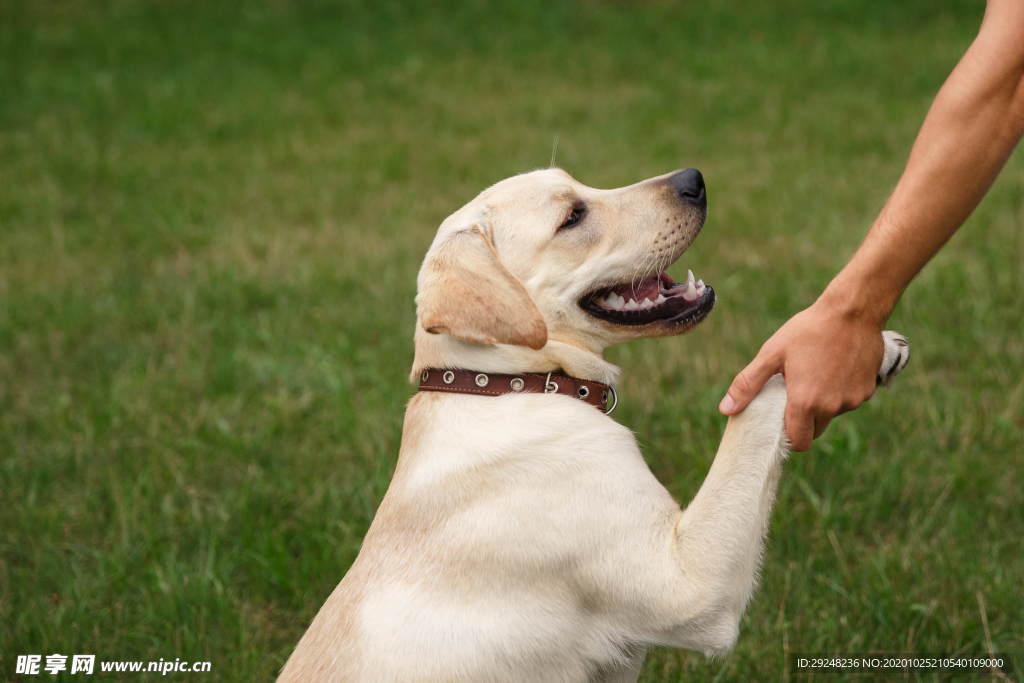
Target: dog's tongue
x,y
646,289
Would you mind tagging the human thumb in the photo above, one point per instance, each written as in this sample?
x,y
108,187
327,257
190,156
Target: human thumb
x,y
746,385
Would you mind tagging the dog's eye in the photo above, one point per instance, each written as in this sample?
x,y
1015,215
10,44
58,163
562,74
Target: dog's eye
x,y
574,217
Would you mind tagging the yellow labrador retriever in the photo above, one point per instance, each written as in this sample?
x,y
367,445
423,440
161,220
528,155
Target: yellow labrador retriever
x,y
523,537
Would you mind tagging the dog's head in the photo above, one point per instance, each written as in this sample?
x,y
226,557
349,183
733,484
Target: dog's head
x,y
542,258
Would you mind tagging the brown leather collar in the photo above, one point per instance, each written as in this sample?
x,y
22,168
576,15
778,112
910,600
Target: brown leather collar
x,y
496,384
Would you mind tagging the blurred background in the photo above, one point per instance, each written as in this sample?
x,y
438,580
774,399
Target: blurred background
x,y
211,218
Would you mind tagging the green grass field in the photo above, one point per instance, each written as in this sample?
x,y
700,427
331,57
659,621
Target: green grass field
x,y
211,218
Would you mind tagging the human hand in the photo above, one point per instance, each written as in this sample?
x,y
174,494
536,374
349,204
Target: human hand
x,y
830,359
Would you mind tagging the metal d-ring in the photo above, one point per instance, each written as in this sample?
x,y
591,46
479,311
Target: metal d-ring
x,y
548,384
615,400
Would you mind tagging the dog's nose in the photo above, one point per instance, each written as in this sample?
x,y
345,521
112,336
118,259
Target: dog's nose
x,y
689,185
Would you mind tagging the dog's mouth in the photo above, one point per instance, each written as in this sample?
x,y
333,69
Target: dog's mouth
x,y
656,299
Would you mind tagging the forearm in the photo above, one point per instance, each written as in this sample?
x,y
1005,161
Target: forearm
x,y
970,131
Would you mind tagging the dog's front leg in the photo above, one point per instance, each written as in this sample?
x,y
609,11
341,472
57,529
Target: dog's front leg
x,y
718,539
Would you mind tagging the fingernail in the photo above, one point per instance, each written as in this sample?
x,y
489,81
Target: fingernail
x,y
727,405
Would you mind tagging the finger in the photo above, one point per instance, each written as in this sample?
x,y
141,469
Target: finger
x,y
849,406
799,427
746,384
820,425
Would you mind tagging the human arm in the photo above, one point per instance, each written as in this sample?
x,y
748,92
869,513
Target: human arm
x,y
830,352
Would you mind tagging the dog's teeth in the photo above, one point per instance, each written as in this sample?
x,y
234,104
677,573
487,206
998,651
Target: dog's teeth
x,y
616,301
700,286
632,305
660,299
689,277
647,304
691,292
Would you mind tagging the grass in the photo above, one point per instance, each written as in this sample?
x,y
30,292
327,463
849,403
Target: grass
x,y
211,217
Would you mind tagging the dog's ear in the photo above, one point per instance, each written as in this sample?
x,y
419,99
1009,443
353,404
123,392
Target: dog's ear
x,y
465,291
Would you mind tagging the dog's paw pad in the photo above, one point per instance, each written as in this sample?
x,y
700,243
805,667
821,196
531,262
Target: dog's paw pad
x,y
897,354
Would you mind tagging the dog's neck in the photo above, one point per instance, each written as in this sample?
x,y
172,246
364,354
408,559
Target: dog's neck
x,y
444,351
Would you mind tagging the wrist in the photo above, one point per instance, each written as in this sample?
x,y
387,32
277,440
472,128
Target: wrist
x,y
867,289
859,298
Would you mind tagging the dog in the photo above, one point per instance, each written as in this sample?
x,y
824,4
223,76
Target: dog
x,y
523,537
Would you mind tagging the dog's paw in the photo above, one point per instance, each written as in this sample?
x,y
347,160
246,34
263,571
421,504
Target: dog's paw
x,y
897,354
